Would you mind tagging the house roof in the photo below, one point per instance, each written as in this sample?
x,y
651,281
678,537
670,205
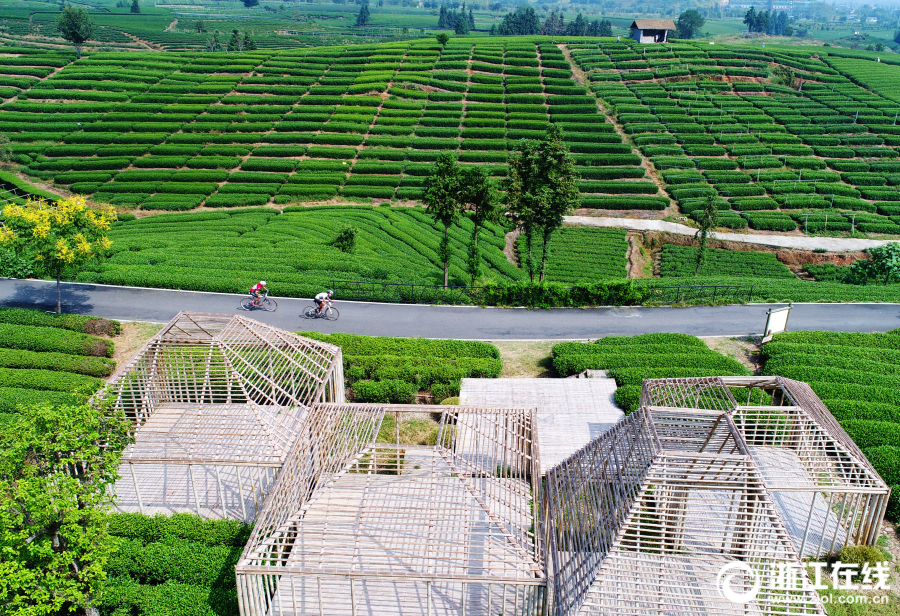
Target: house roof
x,y
653,24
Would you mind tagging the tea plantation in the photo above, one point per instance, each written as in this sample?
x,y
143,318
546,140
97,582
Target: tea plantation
x,y
857,376
175,131
48,359
379,369
631,359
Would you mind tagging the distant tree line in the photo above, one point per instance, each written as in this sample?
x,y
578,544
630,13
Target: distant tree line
x,y
524,21
238,42
460,22
764,22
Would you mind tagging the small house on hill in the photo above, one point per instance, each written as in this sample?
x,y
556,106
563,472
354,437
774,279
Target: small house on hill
x,y
651,30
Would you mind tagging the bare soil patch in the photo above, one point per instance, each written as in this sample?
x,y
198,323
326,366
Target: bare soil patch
x,y
526,359
132,338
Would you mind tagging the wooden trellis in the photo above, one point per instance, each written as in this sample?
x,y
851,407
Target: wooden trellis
x,y
219,394
643,519
826,491
359,523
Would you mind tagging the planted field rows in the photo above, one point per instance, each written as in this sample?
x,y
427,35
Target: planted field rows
x,y
49,359
818,154
857,377
176,131
230,251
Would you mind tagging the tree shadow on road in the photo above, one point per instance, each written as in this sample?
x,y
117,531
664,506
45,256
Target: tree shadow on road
x,y
36,294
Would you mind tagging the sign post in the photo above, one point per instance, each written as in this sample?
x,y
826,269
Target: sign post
x,y
776,321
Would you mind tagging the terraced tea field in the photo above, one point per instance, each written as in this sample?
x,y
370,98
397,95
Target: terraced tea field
x,y
820,155
175,131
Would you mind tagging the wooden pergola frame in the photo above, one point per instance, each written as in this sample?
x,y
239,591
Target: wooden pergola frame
x,y
359,523
220,392
802,451
643,519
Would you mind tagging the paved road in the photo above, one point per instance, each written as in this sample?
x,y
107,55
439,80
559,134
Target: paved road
x,y
834,244
159,305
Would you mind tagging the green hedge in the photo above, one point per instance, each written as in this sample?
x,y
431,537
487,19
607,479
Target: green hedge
x,y
73,322
188,562
394,391
886,460
51,339
356,345
79,364
48,380
159,528
13,398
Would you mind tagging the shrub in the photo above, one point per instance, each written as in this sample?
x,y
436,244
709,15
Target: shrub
x,y
13,398
92,366
48,380
51,339
73,322
393,391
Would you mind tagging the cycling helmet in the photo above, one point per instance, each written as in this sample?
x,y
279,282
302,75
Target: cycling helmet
x,y
330,292
262,282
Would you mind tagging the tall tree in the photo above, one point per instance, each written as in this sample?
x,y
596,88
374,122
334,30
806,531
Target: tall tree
x,y
750,19
236,42
883,265
76,26
578,27
135,7
707,219
689,24
479,198
57,467
442,198
541,188
249,43
362,19
605,28
471,19
442,19
554,24
523,21
57,236
460,22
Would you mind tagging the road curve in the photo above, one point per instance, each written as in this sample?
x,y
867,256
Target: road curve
x,y
463,322
833,244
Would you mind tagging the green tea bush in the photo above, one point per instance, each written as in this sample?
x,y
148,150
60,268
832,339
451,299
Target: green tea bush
x,y
44,339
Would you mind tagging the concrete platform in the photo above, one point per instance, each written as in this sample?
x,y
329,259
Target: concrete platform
x,y
571,412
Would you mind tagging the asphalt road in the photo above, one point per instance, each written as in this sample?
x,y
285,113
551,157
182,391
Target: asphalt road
x,y
160,305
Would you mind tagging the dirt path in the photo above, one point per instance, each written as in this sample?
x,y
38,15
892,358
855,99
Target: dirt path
x,y
172,25
510,249
650,170
141,42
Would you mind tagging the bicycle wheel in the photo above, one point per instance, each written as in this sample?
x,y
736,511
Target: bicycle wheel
x,y
247,304
270,305
309,312
332,314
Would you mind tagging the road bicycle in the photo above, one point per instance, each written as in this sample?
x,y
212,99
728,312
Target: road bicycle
x,y
331,313
263,303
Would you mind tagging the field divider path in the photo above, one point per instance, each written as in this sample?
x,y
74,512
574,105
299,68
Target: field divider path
x,y
832,244
581,78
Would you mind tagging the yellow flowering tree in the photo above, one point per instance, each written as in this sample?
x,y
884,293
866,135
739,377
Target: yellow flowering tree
x,y
59,235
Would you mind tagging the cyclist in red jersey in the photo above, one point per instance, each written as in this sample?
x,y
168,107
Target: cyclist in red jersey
x,y
256,289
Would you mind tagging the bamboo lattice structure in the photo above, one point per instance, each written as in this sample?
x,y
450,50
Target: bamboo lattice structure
x,y
643,519
826,491
359,523
219,400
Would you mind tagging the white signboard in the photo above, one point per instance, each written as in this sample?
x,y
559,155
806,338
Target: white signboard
x,y
776,321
